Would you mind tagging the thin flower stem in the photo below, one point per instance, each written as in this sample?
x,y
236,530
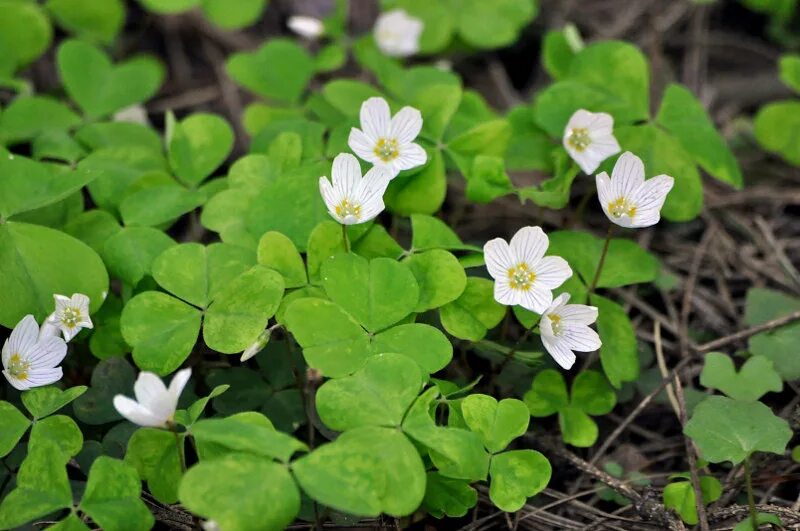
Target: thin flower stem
x,y
751,502
601,262
345,241
181,453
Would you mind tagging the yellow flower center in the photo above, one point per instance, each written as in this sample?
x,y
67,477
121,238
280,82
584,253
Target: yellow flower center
x,y
555,324
18,368
387,149
71,317
621,207
347,209
579,139
521,277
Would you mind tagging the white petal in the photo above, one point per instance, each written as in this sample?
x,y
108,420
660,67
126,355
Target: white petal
x,y
346,174
22,338
587,160
581,338
406,125
498,258
370,193
559,351
136,413
62,302
504,294
558,302
82,302
48,330
579,314
649,199
551,272
627,177
68,332
604,191
537,299
376,118
178,383
46,354
529,245
152,394
363,146
329,196
600,150
580,119
410,156
600,125
41,377
16,383
308,27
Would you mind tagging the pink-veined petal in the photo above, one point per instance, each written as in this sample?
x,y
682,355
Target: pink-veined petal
x,y
504,294
346,173
581,338
627,177
559,352
376,118
23,337
528,245
537,299
411,156
578,314
44,376
498,258
406,125
362,146
46,354
649,200
551,272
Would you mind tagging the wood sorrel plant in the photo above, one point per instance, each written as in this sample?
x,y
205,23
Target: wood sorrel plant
x,y
335,350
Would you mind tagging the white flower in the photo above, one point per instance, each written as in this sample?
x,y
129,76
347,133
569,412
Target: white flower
x,y
386,141
136,114
627,199
353,199
29,362
308,27
258,345
155,404
397,33
71,314
210,525
565,328
522,274
589,139
48,329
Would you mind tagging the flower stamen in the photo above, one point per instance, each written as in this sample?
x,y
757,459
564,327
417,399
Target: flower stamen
x,y
555,324
520,277
387,149
348,210
18,368
579,139
71,317
621,207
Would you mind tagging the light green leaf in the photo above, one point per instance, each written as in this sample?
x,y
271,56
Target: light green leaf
x,y
157,205
492,25
96,20
241,310
43,401
161,329
112,496
679,495
100,87
557,53
548,394
154,454
474,312
516,476
378,394
440,277
487,179
448,497
577,428
276,251
761,518
61,430
618,355
789,66
119,134
778,345
438,23
429,232
423,343
756,377
129,253
418,191
117,168
197,146
29,116
530,148
378,292
25,34
347,95
279,70
233,14
243,436
731,430
591,393
168,7
15,424
498,423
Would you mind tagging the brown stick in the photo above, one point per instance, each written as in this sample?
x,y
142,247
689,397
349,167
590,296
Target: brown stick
x,y
747,332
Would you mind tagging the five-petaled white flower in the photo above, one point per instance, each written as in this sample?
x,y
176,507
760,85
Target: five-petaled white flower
x,y
397,33
386,141
589,139
627,199
353,199
71,315
522,274
30,362
565,328
155,403
308,27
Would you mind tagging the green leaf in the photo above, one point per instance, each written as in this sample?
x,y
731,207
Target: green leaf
x,y
592,394
29,116
789,66
109,377
100,87
778,345
488,138
618,354
761,518
437,103
378,394
232,492
15,424
96,20
498,423
279,70
119,134
333,342
129,253
423,343
516,476
756,377
241,310
492,25
378,292
38,262
347,95
242,436
487,179
161,329
154,454
117,168
196,409
432,233
42,487
662,153
773,126
197,146
418,191
61,430
196,273
166,7
577,428
25,34
448,497
438,23
557,53
440,277
474,312
71,523
112,494
684,116
731,430
679,496
233,14
43,401
158,205
365,471
276,251
548,394
530,148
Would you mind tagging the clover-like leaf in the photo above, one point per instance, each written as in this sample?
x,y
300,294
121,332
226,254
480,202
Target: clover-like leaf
x,y
778,345
756,377
129,253
276,251
423,343
679,495
474,312
112,496
440,277
15,424
278,70
516,476
154,455
61,430
498,423
548,394
447,496
198,145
